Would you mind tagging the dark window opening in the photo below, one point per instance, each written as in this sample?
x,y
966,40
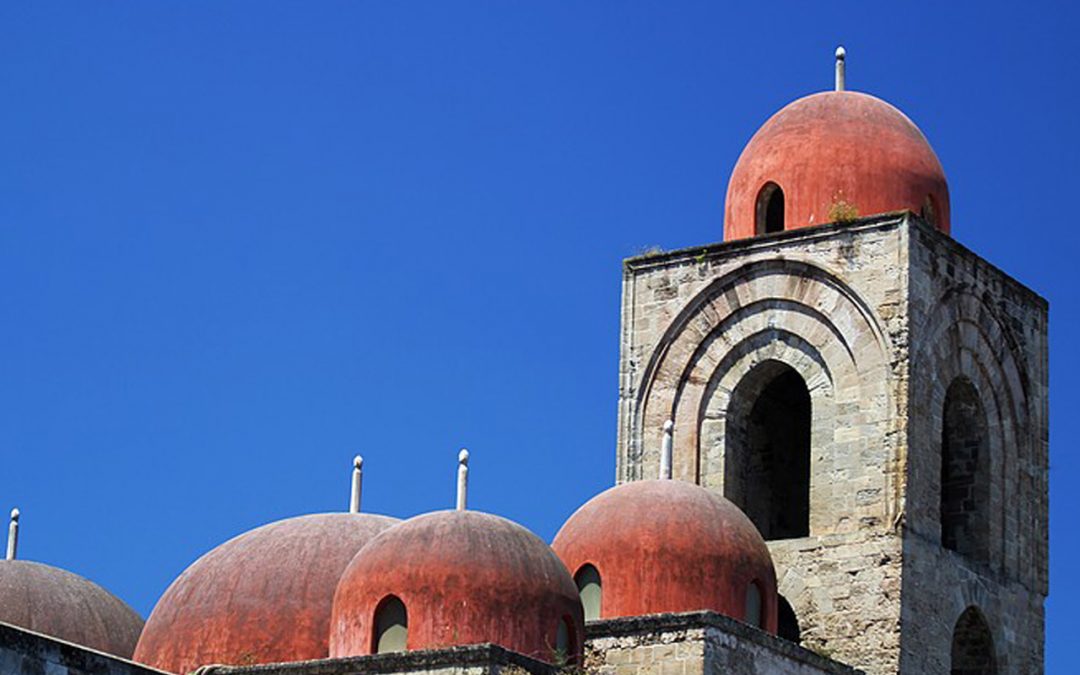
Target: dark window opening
x,y
769,216
787,623
565,643
391,626
965,474
588,583
753,614
972,645
767,456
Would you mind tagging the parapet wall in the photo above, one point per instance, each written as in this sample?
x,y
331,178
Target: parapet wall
x,y
696,643
484,659
23,652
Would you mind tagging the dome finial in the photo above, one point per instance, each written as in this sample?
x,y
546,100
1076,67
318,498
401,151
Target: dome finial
x,y
666,450
841,53
13,535
462,478
357,483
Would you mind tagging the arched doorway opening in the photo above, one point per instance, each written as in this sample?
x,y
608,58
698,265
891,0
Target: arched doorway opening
x,y
972,645
787,623
965,473
767,450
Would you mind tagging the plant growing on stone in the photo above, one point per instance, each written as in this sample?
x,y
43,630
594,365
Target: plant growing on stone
x,y
841,210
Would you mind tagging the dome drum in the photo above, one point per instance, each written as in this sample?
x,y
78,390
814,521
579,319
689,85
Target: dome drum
x,y
63,605
262,597
462,577
656,546
833,156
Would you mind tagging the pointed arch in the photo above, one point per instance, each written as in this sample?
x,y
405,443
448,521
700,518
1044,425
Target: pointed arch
x,y
972,645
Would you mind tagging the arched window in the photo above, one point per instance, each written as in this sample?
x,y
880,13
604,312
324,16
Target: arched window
x,y
972,645
565,642
391,626
769,215
965,473
767,450
588,583
752,615
787,623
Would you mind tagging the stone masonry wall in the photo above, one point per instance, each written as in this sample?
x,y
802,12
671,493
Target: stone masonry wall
x,y
699,643
969,320
878,317
482,659
828,302
23,652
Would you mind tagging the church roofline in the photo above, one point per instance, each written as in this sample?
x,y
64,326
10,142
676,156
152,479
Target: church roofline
x,y
882,221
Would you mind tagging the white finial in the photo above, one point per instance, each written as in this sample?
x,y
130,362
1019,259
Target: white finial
x,y
840,54
665,451
357,482
13,535
462,478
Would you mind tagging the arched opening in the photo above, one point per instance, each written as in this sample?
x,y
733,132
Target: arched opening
x,y
767,451
965,473
787,623
565,643
972,645
391,626
753,615
769,212
588,583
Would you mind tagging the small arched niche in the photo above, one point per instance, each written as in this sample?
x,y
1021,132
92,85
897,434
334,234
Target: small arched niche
x,y
565,642
972,645
769,209
391,626
965,473
787,622
753,614
587,579
767,450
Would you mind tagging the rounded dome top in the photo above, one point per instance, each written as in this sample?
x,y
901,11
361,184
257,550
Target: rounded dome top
x,y
462,577
262,597
834,156
63,605
656,546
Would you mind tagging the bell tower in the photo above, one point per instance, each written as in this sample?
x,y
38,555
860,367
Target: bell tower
x,y
872,394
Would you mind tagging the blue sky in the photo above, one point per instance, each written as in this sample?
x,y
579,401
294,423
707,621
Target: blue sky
x,y
242,241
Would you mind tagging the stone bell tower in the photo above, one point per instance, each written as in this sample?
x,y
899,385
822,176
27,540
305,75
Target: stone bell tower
x,y
870,392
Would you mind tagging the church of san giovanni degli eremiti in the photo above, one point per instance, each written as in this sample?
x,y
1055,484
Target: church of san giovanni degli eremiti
x,y
832,458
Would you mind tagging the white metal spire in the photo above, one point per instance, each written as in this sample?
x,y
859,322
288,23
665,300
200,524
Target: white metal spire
x,y
666,450
13,535
840,75
462,479
357,484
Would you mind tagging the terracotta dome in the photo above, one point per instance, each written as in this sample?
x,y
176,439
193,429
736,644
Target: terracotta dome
x,y
834,155
63,605
670,546
262,597
463,577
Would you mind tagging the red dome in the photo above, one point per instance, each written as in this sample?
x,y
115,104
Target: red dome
x,y
464,577
833,147
262,597
669,546
63,605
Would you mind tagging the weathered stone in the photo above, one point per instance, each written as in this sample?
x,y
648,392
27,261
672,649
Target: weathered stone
x,y
878,317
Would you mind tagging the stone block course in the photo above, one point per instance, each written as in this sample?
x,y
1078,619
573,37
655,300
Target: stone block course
x,y
878,317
